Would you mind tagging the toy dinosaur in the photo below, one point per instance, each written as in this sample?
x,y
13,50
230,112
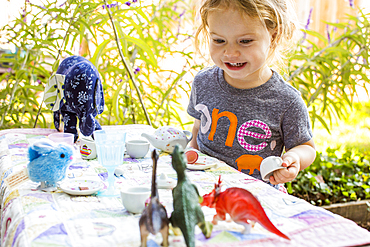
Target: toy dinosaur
x,y
154,217
186,208
242,206
48,163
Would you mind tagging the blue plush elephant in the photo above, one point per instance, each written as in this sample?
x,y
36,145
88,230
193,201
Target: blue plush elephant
x,y
75,92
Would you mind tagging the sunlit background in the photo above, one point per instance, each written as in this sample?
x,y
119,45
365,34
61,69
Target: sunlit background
x,y
323,10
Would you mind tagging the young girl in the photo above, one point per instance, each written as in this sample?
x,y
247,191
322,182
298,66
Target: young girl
x,y
244,111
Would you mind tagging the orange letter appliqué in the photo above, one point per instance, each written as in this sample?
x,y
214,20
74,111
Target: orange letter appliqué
x,y
232,128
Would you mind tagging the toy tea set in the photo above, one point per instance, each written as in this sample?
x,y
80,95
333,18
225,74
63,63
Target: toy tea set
x,y
49,159
154,218
164,138
186,202
110,156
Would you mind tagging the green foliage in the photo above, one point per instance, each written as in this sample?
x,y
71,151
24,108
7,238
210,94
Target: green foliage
x,y
130,44
360,115
128,56
334,178
341,173
329,70
350,133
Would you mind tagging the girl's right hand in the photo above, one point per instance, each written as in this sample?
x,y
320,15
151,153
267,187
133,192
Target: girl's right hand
x,y
292,162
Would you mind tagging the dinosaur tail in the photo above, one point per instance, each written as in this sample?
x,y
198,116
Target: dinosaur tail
x,y
259,215
266,223
189,236
269,226
206,228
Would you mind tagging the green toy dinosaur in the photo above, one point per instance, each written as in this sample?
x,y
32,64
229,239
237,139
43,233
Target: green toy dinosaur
x,y
186,208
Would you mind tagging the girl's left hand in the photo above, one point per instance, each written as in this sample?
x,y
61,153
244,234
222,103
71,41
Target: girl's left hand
x,y
292,163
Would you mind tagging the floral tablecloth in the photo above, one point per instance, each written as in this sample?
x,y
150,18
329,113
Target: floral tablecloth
x,y
31,217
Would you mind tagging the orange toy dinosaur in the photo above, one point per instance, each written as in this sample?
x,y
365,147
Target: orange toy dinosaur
x,y
242,206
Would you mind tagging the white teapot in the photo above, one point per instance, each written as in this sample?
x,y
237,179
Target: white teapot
x,y
166,137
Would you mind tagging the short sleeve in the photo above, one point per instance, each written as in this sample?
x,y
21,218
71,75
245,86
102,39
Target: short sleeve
x,y
296,124
193,101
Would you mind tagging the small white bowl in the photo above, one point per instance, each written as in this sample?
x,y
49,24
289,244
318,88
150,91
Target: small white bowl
x,y
269,165
60,137
133,198
137,148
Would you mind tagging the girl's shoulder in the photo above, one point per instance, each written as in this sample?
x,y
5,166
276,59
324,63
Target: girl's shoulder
x,y
283,87
281,92
209,72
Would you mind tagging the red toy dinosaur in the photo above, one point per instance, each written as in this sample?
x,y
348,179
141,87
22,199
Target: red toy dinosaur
x,y
242,206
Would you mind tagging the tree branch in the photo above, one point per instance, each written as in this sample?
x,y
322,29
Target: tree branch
x,y
127,66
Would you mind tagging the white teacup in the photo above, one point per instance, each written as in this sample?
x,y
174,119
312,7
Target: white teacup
x,y
269,165
87,148
60,137
133,198
137,148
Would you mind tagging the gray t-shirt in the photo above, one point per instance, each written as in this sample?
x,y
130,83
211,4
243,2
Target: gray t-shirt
x,y
244,126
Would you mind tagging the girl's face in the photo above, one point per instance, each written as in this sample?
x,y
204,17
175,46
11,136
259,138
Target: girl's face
x,y
239,45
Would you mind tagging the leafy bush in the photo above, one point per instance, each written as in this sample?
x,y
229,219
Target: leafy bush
x,y
329,69
334,178
126,40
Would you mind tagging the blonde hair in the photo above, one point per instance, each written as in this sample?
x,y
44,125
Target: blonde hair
x,y
276,15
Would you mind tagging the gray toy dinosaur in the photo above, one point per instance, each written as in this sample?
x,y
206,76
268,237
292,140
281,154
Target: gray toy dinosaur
x,y
154,217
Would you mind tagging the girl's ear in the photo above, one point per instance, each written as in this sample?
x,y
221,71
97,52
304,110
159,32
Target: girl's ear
x,y
274,34
274,38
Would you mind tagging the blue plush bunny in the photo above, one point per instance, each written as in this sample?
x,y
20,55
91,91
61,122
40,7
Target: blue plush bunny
x,y
75,92
48,162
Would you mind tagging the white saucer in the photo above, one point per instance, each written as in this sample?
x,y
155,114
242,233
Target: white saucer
x,y
163,182
203,163
81,186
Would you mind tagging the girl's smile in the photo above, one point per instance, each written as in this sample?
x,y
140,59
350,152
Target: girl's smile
x,y
235,66
239,45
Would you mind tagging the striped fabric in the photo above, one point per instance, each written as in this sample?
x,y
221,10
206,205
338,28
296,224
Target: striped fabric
x,y
53,92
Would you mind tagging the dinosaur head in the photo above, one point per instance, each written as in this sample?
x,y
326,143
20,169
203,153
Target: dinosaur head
x,y
179,159
210,199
